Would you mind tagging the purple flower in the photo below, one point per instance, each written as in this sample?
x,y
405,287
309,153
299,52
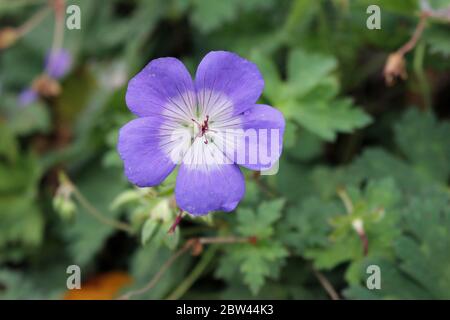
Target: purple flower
x,y
27,96
58,63
209,126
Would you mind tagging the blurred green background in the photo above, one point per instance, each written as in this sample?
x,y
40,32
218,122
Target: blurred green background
x,y
363,179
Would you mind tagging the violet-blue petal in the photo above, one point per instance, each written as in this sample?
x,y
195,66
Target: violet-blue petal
x,y
163,82
268,125
217,187
27,96
146,164
58,63
226,73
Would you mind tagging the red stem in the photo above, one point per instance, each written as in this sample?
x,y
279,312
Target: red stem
x,y
176,222
365,242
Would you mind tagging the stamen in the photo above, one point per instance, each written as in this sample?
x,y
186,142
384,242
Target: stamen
x,y
196,122
203,128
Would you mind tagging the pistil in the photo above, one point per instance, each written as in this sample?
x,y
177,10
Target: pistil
x,y
202,128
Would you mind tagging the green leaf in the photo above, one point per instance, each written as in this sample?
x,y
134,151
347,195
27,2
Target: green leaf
x,y
429,153
87,235
378,164
307,224
148,230
21,221
404,7
420,267
427,222
129,196
308,146
327,118
145,264
14,286
210,15
30,119
260,223
8,143
255,263
376,206
438,38
309,96
256,268
394,284
273,85
307,70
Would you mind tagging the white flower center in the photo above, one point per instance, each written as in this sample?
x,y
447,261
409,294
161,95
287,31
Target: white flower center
x,y
194,127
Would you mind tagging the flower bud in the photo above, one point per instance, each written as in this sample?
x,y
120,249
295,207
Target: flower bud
x,y
162,210
358,225
394,68
46,86
64,206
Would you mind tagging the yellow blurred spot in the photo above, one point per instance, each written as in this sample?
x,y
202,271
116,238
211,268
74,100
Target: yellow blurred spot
x,y
7,37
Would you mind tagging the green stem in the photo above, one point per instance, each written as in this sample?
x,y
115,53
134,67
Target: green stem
x,y
11,6
188,245
187,283
196,230
298,10
326,284
345,198
33,21
97,214
419,56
